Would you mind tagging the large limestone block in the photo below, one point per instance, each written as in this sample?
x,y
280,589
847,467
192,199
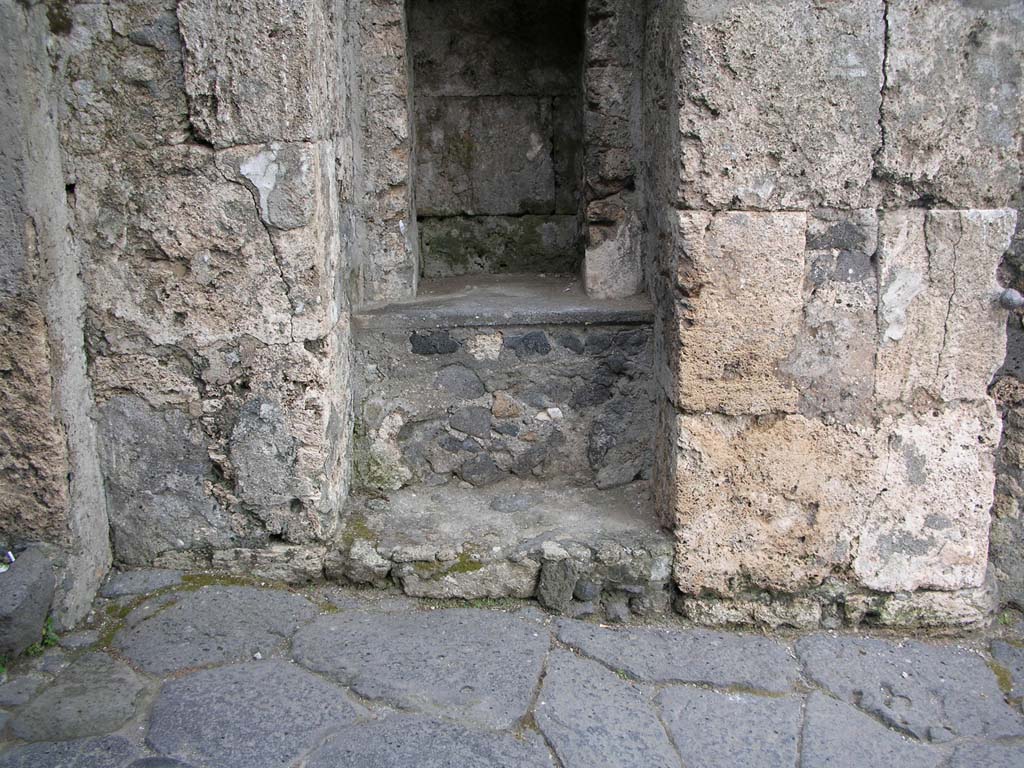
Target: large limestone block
x,y
741,275
258,70
927,528
779,102
952,110
771,503
942,334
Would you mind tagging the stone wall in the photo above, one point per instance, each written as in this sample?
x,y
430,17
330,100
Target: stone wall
x,y
201,145
50,485
498,128
828,328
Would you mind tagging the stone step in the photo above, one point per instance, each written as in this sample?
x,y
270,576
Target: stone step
x,y
578,549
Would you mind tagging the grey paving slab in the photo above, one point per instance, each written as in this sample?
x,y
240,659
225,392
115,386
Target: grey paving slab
x,y
1011,658
103,752
159,762
988,756
214,625
836,735
688,656
76,641
724,730
934,693
139,582
256,715
426,743
95,695
18,690
478,666
594,718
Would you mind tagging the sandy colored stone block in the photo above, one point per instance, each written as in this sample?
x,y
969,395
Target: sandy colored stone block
x,y
941,331
927,527
952,108
741,275
770,503
779,103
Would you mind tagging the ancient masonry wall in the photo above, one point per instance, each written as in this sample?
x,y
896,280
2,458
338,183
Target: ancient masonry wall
x,y
826,245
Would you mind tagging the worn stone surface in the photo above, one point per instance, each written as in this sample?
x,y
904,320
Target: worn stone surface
x,y
593,718
991,755
836,734
26,592
1011,658
395,659
935,694
139,582
214,625
16,692
399,740
692,717
1006,535
102,752
961,149
779,103
693,656
232,716
93,696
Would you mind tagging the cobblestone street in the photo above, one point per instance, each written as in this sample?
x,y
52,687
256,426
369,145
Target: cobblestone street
x,y
183,671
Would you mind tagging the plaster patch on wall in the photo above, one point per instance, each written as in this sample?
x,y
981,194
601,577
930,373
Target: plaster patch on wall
x,y
899,293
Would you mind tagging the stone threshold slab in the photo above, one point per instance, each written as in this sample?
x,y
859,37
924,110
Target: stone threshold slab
x,y
494,300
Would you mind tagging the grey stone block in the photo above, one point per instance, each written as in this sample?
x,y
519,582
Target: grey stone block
x,y
214,625
478,666
18,690
76,641
93,696
1011,657
557,583
425,743
836,735
690,656
593,718
931,692
26,591
139,582
723,730
969,755
256,715
103,752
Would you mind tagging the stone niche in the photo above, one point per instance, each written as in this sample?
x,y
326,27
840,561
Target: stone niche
x,y
497,113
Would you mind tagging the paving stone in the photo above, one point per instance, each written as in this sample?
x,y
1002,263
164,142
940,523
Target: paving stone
x,y
139,582
254,715
987,756
93,696
159,762
593,718
480,666
214,625
836,735
934,693
723,730
76,641
26,590
103,752
426,743
51,662
690,656
18,690
1011,657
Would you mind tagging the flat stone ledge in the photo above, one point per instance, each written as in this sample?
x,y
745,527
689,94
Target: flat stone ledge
x,y
495,300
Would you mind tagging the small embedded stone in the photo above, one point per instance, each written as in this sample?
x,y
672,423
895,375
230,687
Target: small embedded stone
x,y
433,343
504,407
472,420
531,344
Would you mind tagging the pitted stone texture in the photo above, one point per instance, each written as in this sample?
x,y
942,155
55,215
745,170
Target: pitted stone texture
x,y
159,762
18,690
969,755
26,592
1011,658
932,693
732,264
93,696
836,735
592,718
400,741
253,70
139,582
691,656
723,730
214,625
779,103
257,715
942,333
477,666
962,148
102,752
927,527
